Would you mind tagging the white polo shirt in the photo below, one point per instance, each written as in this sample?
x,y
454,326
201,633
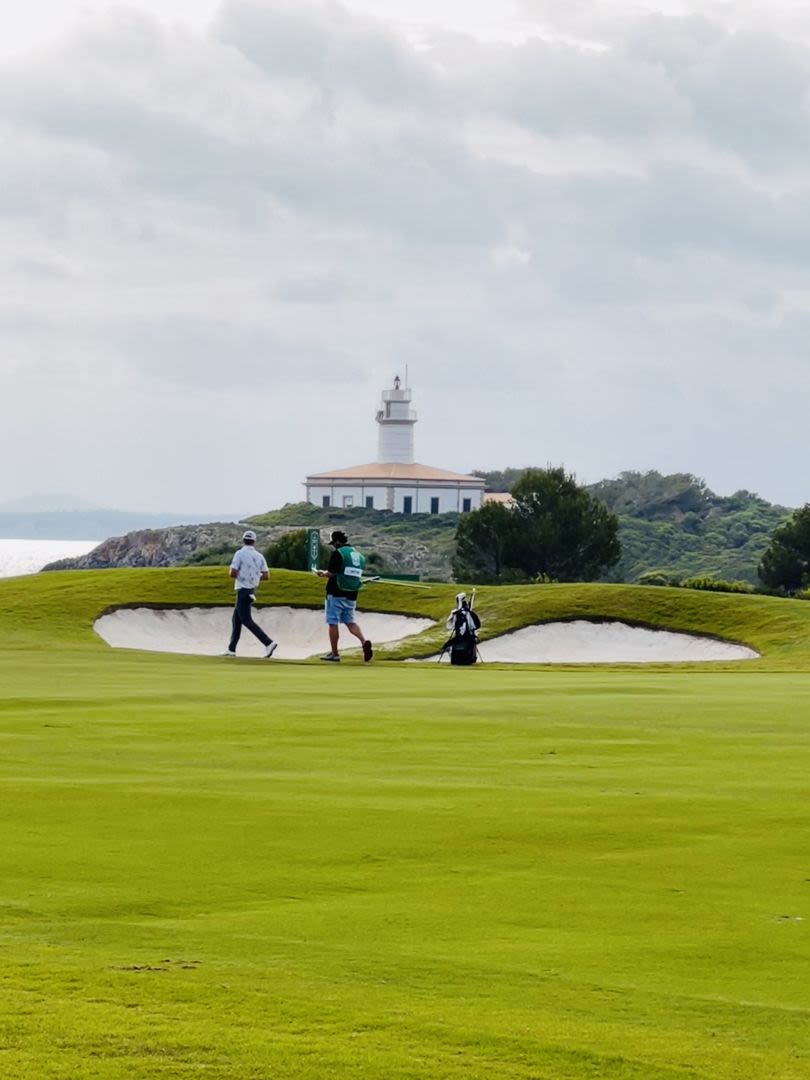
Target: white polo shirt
x,y
250,564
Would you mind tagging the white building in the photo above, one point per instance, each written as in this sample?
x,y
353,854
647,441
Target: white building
x,y
394,481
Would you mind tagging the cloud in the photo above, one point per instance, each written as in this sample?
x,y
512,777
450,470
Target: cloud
x,y
585,243
339,53
746,91
560,89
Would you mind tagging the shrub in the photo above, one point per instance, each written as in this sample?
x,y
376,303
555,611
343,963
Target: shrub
x,y
710,584
216,555
658,577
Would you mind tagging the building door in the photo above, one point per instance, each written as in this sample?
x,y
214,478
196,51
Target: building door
x,y
407,505
434,506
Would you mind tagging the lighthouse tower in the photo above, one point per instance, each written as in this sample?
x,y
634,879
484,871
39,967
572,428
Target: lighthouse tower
x,y
396,419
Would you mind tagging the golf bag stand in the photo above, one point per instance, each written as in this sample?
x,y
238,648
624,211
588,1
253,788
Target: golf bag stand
x,y
462,645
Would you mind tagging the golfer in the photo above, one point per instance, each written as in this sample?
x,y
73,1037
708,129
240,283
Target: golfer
x,y
248,568
345,579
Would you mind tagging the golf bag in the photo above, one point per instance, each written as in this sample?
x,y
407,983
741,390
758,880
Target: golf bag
x,y
462,645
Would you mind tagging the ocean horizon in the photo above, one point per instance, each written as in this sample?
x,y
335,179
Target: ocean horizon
x,y
20,557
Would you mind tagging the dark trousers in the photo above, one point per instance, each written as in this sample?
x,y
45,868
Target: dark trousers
x,y
243,617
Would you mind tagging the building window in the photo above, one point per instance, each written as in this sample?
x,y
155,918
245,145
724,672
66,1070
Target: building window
x,y
348,501
466,506
407,505
434,506
326,501
369,502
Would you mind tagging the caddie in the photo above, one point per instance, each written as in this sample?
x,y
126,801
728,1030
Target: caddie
x,y
344,580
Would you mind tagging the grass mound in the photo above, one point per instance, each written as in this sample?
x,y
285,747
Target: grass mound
x,y
58,610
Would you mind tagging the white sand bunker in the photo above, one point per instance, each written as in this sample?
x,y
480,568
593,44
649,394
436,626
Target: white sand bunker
x,y
583,642
300,632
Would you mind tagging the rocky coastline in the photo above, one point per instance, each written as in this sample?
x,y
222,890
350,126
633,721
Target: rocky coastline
x,y
159,547
174,546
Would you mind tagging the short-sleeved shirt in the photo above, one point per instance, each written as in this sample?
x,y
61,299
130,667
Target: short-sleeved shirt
x,y
250,564
336,567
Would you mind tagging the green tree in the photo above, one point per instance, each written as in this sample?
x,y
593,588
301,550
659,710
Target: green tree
x,y
554,531
484,539
786,562
291,551
564,533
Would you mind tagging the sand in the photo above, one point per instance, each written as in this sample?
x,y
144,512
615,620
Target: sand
x,y
583,642
300,632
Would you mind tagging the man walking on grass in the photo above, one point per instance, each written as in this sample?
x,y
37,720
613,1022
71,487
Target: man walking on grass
x,y
345,579
248,568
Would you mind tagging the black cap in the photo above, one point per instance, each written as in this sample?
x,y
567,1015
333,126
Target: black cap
x,y
338,537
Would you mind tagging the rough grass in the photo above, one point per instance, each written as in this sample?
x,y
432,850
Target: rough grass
x,y
262,870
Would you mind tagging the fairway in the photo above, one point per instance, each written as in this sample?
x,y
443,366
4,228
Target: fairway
x,y
263,870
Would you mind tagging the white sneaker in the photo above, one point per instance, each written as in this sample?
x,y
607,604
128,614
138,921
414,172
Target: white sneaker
x,y
230,652
270,649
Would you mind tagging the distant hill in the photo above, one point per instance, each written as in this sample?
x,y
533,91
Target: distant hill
x,y
677,524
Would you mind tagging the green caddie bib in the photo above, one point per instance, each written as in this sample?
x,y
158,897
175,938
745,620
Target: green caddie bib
x,y
350,579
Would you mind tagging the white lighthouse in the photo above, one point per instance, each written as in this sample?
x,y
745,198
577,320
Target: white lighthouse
x,y
395,481
396,419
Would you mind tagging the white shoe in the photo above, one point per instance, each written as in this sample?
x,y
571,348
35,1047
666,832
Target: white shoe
x,y
230,652
270,649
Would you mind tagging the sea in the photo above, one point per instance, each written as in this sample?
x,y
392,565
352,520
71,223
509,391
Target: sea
x,y
18,557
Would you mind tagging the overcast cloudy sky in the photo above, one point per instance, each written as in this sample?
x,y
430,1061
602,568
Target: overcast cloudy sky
x,y
585,228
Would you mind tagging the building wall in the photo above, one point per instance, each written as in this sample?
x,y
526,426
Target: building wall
x,y
395,442
392,496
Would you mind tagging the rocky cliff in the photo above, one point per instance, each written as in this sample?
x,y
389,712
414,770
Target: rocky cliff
x,y
159,547
175,545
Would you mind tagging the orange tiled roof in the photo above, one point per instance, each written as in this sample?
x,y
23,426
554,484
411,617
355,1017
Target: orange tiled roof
x,y
393,470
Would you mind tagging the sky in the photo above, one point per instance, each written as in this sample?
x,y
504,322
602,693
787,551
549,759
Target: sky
x,y
225,225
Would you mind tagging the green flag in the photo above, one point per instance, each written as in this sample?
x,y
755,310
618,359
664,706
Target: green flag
x,y
313,547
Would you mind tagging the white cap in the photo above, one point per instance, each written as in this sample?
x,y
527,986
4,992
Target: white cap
x,y
248,534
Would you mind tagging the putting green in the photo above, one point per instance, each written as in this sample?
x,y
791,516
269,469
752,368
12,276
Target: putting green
x,y
397,871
